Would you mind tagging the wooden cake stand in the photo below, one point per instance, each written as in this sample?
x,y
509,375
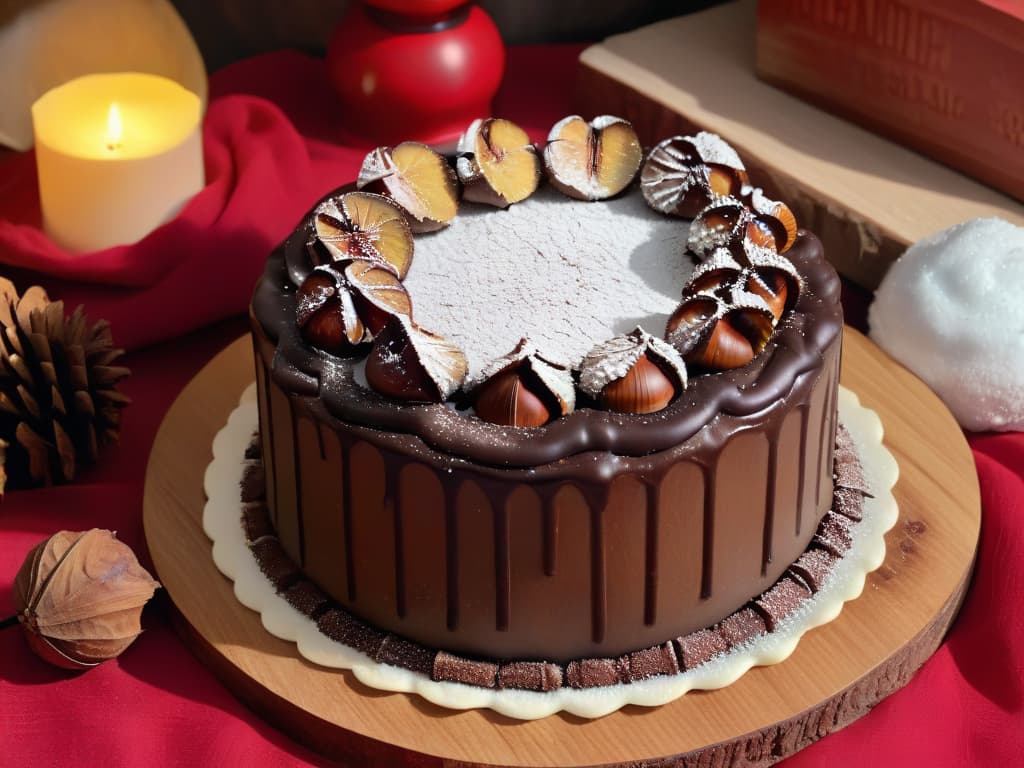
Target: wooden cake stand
x,y
838,672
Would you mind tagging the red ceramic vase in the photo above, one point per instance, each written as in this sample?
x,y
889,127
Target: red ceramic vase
x,y
407,70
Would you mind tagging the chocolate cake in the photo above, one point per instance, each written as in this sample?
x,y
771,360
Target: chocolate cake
x,y
572,464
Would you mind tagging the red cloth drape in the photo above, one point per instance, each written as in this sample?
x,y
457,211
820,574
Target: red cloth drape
x,y
269,154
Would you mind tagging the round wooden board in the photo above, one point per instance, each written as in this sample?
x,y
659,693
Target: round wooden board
x,y
837,673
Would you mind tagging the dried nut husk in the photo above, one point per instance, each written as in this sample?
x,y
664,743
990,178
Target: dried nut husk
x,y
365,227
523,389
779,286
684,174
777,217
633,373
417,178
773,289
720,330
496,163
757,271
754,235
326,314
720,268
337,311
412,364
379,295
79,596
592,161
722,224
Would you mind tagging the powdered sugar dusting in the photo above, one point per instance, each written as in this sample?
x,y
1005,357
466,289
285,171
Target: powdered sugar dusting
x,y
603,121
309,301
376,165
563,273
558,380
714,149
743,299
556,129
760,202
440,358
720,260
499,363
570,169
704,237
465,163
467,141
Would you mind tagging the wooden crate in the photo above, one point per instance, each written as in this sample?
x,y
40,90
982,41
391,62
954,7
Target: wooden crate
x,y
945,77
866,197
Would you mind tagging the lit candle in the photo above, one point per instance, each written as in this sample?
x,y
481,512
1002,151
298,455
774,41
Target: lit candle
x,y
117,156
114,130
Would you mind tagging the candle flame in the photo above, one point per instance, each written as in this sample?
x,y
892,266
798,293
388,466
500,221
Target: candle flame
x,y
114,130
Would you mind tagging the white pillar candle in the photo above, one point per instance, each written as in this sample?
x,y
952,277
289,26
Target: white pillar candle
x,y
117,156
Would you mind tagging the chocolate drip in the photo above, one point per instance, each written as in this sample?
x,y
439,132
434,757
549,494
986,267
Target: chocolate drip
x,y
320,439
451,559
708,557
346,510
803,409
274,506
596,496
502,567
550,544
598,575
765,613
299,517
393,498
651,554
262,396
832,427
769,507
822,437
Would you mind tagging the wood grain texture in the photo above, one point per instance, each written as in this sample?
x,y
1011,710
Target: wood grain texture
x,y
933,75
837,673
866,198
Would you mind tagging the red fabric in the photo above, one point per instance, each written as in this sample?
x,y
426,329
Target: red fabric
x,y
269,154
261,177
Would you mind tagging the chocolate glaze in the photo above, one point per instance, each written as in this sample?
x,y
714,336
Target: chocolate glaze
x,y
592,537
796,348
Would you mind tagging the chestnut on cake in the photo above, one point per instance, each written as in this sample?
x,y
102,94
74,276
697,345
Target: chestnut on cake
x,y
633,373
683,175
497,164
592,161
523,389
419,181
600,463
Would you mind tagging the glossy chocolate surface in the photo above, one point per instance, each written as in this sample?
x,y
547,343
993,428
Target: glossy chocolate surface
x,y
764,614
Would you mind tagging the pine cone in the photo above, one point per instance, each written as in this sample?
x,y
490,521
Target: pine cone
x,y
59,402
